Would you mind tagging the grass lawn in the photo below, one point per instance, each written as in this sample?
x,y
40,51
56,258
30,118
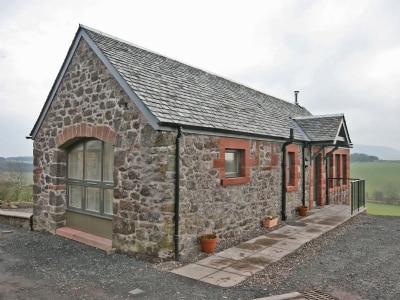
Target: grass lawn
x,y
382,209
379,176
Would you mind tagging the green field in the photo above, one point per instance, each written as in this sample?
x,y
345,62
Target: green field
x,y
380,177
382,209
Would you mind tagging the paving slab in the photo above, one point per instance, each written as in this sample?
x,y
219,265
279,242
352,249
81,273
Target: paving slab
x,y
234,265
224,279
216,262
195,271
234,253
242,267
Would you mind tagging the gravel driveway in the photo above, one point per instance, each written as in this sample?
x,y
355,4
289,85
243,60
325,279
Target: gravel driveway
x,y
358,260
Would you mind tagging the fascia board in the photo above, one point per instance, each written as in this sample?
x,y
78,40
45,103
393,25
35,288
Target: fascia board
x,y
82,34
55,86
339,138
153,121
300,129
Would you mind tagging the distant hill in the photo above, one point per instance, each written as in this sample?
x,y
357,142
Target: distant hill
x,y
26,160
382,152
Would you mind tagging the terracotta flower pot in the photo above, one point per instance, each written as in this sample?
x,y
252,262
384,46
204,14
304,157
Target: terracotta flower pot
x,y
302,210
208,242
268,222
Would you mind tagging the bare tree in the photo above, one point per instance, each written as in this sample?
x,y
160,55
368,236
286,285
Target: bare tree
x,y
16,178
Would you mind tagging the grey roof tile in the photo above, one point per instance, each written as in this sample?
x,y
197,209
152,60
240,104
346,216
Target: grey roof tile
x,y
177,93
323,128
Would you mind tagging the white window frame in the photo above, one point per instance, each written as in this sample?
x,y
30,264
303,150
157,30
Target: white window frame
x,y
234,169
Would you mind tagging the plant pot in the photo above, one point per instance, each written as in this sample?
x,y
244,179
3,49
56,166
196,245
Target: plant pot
x,y
302,210
269,222
208,242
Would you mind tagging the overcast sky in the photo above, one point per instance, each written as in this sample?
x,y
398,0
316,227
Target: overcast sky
x,y
342,55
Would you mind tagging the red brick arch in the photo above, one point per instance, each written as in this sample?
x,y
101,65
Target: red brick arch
x,y
82,130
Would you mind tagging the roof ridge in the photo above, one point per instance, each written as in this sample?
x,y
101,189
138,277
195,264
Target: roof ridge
x,y
319,116
184,63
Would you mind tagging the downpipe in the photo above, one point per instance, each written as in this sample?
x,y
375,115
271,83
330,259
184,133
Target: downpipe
x,y
285,144
176,206
303,200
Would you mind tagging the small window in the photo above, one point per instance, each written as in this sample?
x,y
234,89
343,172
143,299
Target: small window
x,y
291,169
232,163
344,169
337,169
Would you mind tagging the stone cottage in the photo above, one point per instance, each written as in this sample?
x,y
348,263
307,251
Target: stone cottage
x,y
147,152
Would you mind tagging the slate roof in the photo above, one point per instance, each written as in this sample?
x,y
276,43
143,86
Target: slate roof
x,y
176,93
170,93
324,129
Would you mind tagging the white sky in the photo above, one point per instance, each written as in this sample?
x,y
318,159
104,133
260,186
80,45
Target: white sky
x,y
342,55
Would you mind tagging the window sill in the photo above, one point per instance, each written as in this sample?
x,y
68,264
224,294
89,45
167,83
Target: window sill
x,y
234,180
89,213
291,188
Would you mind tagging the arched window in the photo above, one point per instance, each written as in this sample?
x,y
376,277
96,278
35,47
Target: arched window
x,y
90,177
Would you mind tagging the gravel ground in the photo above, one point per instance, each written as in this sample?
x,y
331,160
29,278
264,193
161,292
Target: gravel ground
x,y
357,260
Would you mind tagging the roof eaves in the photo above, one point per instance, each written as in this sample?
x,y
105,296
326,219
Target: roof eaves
x,y
55,86
337,136
320,116
81,33
300,129
168,126
123,83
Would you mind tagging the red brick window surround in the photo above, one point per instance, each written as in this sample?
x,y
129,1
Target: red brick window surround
x,y
292,168
238,152
344,169
339,168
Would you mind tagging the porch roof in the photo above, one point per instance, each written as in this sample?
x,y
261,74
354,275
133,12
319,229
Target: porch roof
x,y
324,129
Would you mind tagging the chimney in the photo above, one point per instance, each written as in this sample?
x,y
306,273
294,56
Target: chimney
x,y
295,97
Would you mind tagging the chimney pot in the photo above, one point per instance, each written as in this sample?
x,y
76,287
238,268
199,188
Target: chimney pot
x,y
295,97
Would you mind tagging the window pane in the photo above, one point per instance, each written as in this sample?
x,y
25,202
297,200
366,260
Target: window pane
x,y
75,162
344,171
93,160
291,169
337,168
75,196
108,160
93,199
232,162
108,201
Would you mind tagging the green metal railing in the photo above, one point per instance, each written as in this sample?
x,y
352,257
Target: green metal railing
x,y
346,191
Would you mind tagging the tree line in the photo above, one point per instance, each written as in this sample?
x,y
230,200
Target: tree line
x,y
361,157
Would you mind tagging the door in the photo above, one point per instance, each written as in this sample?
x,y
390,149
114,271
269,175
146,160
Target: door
x,y
317,181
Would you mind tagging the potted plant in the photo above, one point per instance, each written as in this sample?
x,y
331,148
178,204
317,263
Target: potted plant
x,y
208,242
302,210
270,220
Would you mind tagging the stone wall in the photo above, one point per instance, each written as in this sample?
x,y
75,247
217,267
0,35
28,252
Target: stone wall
x,y
89,103
233,210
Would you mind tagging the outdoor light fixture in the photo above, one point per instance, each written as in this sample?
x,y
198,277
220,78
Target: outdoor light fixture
x,y
305,162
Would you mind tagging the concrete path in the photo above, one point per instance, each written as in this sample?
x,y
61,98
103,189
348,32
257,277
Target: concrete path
x,y
234,265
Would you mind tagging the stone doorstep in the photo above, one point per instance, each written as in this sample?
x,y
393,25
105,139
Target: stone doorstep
x,y
15,214
18,218
86,238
